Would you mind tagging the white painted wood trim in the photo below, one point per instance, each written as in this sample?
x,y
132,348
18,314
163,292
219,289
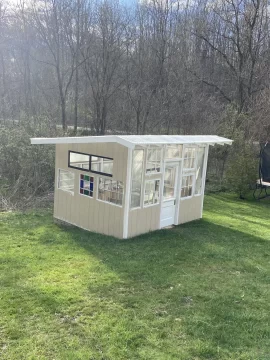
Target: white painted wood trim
x,y
162,183
178,194
130,142
127,193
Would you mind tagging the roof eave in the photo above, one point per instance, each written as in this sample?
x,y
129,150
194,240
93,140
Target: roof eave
x,y
81,140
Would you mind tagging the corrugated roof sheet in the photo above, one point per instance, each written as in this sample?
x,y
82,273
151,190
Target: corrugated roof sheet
x,y
174,139
132,140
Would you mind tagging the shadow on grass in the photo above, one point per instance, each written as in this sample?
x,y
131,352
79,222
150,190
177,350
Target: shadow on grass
x,y
212,277
206,281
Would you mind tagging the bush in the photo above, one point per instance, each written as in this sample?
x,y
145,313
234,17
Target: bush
x,y
26,170
242,166
233,168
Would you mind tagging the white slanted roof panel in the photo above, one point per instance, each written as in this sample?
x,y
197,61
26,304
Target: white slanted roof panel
x,y
132,140
174,139
82,140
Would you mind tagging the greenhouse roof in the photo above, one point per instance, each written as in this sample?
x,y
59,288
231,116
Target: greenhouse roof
x,y
132,140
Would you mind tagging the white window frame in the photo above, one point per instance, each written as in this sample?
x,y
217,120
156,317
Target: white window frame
x,y
174,158
188,171
108,202
184,174
149,180
146,160
203,170
184,149
142,178
58,180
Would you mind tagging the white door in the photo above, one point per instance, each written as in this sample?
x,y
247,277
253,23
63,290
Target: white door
x,y
168,207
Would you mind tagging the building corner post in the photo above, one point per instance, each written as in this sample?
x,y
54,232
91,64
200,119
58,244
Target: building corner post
x,y
127,194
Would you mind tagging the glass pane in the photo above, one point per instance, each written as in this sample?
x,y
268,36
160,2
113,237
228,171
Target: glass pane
x,y
153,163
110,191
169,182
187,184
199,172
66,180
173,151
151,194
87,185
107,166
189,158
102,165
137,171
79,160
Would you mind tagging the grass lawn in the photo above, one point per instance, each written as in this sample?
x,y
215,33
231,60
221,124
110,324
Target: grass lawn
x,y
198,291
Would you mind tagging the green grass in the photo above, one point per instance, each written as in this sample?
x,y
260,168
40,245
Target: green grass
x,y
198,291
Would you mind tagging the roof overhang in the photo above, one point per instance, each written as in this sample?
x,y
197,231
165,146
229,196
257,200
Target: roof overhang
x,y
81,140
131,141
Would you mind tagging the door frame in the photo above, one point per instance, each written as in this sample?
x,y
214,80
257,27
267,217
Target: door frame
x,y
177,162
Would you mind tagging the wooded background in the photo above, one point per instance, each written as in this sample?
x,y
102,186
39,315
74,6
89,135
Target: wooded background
x,y
155,66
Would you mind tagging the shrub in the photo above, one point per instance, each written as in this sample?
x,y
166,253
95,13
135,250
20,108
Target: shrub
x,y
242,166
25,170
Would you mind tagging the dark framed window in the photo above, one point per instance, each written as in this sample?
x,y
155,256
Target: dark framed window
x,y
77,160
88,162
101,165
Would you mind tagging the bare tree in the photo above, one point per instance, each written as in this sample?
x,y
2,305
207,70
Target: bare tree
x,y
234,35
103,50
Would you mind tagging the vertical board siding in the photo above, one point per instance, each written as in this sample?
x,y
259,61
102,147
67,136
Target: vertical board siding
x,y
143,220
190,209
90,213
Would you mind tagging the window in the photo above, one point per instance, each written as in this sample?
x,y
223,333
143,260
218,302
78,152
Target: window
x,y
86,185
151,192
79,160
153,163
187,186
93,163
173,151
199,171
111,191
170,176
189,158
101,165
66,180
136,181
